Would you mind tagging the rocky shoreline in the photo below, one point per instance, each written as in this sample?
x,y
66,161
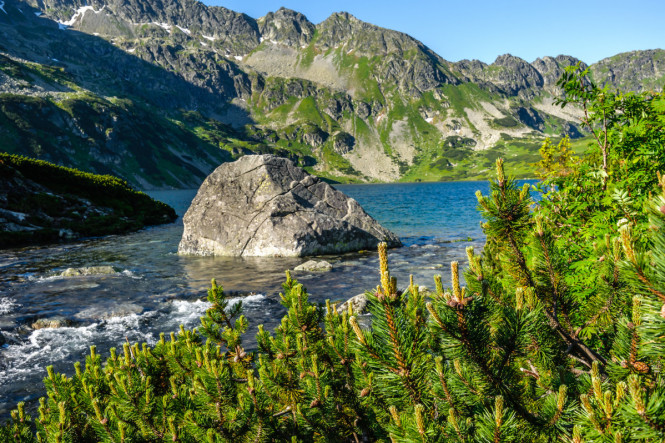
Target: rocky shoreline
x,y
41,203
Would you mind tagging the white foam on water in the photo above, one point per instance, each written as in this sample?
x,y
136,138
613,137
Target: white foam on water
x,y
44,279
43,346
130,274
132,324
247,300
59,276
48,345
2,6
188,313
7,305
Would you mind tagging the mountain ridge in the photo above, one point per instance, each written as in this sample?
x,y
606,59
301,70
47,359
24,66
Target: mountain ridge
x,y
349,99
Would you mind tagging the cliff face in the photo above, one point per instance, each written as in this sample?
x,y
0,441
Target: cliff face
x,y
343,97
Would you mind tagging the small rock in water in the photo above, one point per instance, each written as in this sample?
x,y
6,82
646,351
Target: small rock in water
x,y
425,291
67,234
51,323
105,312
92,270
313,265
358,303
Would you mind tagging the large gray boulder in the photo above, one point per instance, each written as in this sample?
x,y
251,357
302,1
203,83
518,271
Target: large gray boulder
x,y
262,205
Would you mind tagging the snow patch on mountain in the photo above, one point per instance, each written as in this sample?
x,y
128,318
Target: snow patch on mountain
x,y
80,12
165,26
185,30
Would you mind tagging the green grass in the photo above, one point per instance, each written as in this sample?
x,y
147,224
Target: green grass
x,y
461,163
520,154
306,56
309,111
506,122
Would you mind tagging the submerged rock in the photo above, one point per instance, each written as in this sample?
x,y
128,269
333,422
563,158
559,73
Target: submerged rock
x,y
105,312
358,303
314,265
262,205
91,270
51,323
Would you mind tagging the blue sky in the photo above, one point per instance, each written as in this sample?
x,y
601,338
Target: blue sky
x,y
484,29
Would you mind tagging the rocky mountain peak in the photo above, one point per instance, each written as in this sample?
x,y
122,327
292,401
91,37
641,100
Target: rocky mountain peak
x,y
551,68
236,33
634,71
287,27
514,74
342,28
342,16
509,74
344,96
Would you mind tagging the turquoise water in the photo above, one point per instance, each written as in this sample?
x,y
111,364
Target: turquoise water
x,y
421,213
156,290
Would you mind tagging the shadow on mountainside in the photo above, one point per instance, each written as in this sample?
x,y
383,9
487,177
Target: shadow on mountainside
x,y
129,124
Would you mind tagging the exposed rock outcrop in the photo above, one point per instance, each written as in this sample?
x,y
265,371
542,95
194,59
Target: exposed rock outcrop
x,y
343,142
266,206
551,68
632,71
52,323
287,27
